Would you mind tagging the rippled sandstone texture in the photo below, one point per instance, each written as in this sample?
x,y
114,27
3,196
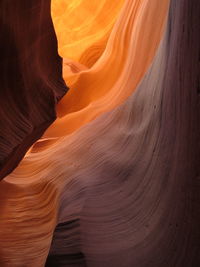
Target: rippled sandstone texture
x,y
30,77
122,190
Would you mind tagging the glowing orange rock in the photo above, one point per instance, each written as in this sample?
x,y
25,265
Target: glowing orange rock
x,y
128,53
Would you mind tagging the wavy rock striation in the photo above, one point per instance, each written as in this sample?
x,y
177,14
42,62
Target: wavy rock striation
x,y
134,197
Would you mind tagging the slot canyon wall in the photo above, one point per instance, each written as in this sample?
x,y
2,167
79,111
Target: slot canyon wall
x,y
100,168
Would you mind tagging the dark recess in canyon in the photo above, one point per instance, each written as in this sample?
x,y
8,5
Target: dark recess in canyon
x,y
30,77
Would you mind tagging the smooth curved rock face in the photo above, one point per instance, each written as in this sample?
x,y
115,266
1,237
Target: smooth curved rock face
x,y
135,191
30,77
122,190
